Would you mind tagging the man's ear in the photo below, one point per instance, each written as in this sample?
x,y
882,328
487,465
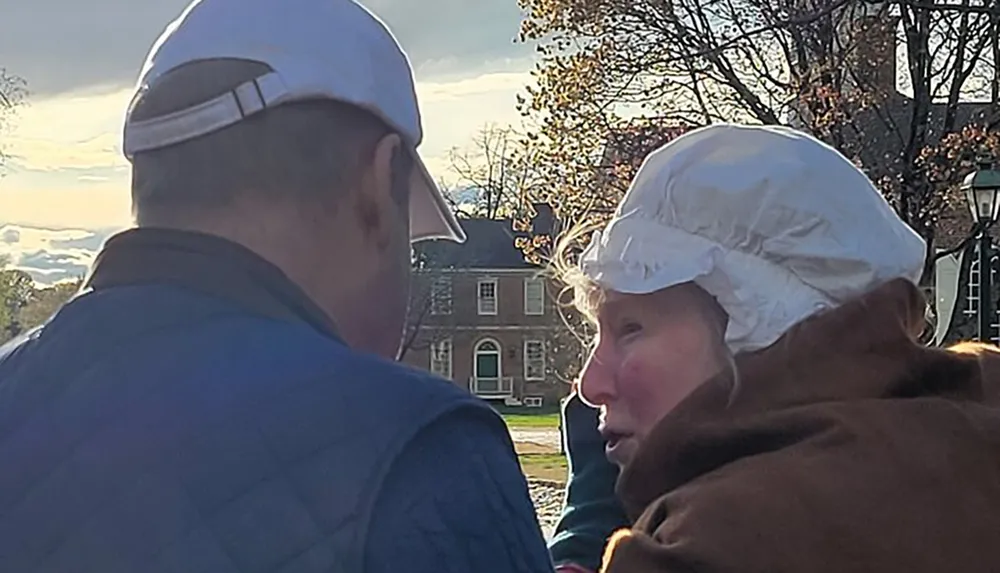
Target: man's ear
x,y
376,206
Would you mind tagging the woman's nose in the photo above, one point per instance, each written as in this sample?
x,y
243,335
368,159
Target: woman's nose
x,y
597,380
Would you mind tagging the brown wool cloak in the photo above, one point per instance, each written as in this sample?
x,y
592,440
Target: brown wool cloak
x,y
847,447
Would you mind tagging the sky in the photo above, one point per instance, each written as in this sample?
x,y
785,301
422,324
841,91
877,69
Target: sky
x,y
65,187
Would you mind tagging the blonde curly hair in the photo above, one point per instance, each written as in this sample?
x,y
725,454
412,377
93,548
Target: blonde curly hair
x,y
587,295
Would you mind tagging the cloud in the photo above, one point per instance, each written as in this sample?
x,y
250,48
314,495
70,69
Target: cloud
x,y
60,46
51,255
49,274
55,201
433,93
48,262
10,236
101,152
87,241
80,131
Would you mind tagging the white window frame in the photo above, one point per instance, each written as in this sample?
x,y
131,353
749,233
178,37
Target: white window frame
x,y
484,309
437,286
434,357
972,308
527,374
533,401
540,283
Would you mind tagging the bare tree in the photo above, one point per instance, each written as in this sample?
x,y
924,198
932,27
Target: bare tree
x,y
16,291
430,307
13,94
827,66
45,302
428,302
496,167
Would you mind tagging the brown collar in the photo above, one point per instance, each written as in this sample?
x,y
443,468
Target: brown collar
x,y
863,350
209,264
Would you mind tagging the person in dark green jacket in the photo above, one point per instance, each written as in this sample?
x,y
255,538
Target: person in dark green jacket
x,y
591,512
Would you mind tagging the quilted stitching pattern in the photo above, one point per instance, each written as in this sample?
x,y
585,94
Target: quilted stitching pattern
x,y
237,445
475,517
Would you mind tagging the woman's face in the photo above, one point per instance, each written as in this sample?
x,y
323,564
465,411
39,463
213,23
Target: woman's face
x,y
651,351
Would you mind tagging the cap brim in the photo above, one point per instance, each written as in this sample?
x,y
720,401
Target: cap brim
x,y
430,215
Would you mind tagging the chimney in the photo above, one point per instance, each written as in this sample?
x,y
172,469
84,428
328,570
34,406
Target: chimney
x,y
874,51
544,222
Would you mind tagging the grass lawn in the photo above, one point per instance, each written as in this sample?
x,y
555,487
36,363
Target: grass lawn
x,y
551,467
532,420
538,461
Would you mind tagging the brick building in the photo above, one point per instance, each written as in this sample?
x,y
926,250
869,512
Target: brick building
x,y
485,318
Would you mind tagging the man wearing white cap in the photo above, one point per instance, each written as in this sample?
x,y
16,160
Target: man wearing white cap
x,y
221,396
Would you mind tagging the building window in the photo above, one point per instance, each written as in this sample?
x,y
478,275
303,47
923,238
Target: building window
x,y
441,358
487,295
972,308
534,360
534,297
488,377
441,295
534,401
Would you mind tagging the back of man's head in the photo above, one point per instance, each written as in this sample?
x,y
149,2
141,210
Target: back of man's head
x,y
291,128
306,153
298,183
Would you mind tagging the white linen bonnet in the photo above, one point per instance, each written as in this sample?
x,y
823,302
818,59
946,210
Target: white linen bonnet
x,y
773,223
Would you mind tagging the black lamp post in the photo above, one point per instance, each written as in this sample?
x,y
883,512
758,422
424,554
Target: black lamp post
x,y
982,188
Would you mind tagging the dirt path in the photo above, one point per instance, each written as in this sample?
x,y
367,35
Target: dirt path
x,y
546,495
547,438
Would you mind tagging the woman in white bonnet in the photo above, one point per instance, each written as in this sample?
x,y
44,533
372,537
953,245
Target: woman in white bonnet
x,y
759,378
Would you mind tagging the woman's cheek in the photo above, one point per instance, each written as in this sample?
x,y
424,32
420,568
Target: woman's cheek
x,y
654,383
644,386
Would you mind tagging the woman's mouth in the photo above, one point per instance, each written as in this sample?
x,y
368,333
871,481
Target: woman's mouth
x,y
615,445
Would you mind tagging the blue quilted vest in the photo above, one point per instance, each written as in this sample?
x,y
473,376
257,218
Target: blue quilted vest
x,y
156,428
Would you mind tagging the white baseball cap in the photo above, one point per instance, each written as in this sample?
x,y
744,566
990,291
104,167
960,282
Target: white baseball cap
x,y
315,49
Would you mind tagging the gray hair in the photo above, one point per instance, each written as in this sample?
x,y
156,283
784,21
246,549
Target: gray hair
x,y
304,151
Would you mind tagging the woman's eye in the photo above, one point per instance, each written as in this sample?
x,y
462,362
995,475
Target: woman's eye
x,y
629,328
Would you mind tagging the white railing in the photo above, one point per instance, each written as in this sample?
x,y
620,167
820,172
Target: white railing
x,y
492,387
